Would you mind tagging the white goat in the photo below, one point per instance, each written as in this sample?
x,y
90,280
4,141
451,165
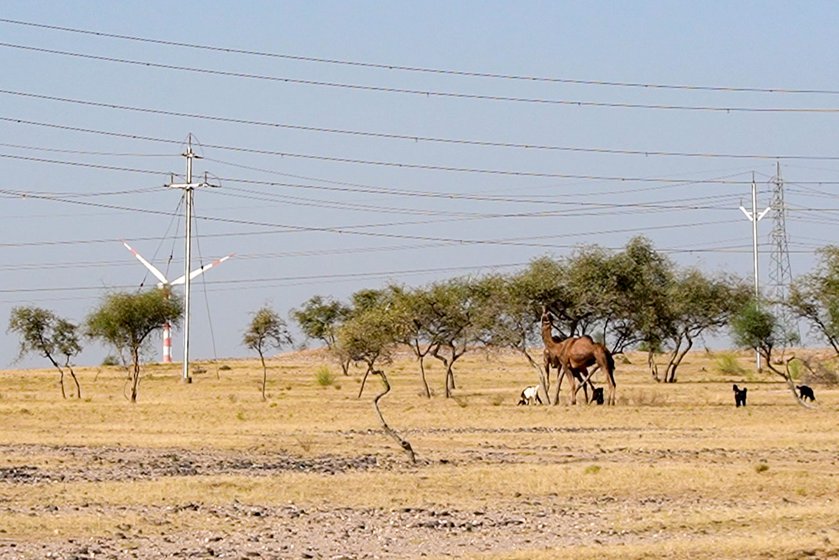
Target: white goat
x,y
530,395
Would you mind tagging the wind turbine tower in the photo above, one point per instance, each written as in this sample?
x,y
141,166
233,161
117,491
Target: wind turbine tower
x,y
166,286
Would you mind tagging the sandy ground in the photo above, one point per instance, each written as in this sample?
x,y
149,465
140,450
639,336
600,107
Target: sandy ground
x,y
247,531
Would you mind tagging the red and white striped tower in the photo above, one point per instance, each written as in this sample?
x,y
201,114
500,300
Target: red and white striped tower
x,y
167,343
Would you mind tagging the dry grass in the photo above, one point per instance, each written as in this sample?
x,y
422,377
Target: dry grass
x,y
674,470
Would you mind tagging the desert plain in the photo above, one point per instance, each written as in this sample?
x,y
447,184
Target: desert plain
x,y
211,470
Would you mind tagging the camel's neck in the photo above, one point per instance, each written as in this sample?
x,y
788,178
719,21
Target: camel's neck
x,y
547,331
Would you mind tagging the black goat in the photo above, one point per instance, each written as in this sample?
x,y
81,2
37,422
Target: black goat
x,y
740,396
805,392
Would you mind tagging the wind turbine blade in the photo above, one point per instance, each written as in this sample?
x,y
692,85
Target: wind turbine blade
x,y
147,264
200,271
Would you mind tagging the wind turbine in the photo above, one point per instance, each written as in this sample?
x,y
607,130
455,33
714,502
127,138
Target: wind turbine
x,y
166,286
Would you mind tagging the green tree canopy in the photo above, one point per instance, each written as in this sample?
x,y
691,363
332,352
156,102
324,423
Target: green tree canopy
x,y
815,297
697,304
126,321
370,336
266,330
44,333
319,318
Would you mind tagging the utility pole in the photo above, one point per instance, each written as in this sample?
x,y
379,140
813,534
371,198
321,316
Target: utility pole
x,y
189,188
754,217
780,271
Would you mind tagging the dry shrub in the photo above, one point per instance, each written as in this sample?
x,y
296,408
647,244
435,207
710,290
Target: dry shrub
x,y
324,376
726,362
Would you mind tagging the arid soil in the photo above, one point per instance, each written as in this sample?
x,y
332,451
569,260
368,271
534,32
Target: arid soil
x,y
289,531
247,531
212,470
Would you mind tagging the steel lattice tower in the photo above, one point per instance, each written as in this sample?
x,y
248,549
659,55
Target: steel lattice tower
x,y
780,272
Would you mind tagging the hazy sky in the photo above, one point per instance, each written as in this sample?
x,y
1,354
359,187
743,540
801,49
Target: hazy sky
x,y
360,143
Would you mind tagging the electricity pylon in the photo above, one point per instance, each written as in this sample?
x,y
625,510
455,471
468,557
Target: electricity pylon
x,y
780,272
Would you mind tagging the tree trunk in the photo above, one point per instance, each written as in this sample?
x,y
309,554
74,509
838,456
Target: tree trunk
x,y
436,354
264,373
364,379
403,443
676,359
60,374
425,386
75,380
61,383
450,386
421,358
135,374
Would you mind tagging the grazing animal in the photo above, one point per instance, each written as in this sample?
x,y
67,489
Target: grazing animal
x,y
739,396
597,395
553,357
575,355
530,395
805,392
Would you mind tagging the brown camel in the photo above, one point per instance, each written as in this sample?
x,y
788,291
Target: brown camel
x,y
580,353
574,355
552,356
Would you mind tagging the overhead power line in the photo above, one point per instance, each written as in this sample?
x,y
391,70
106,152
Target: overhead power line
x,y
437,93
424,167
355,229
421,69
381,135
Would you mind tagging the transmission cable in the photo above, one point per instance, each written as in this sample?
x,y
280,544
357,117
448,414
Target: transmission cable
x,y
432,93
407,137
392,67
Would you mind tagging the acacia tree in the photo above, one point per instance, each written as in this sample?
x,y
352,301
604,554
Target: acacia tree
x,y
815,297
370,336
414,311
756,328
644,307
697,304
320,319
125,321
266,330
458,315
42,332
514,319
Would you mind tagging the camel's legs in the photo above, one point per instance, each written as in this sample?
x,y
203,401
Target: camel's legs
x,y
586,381
610,379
